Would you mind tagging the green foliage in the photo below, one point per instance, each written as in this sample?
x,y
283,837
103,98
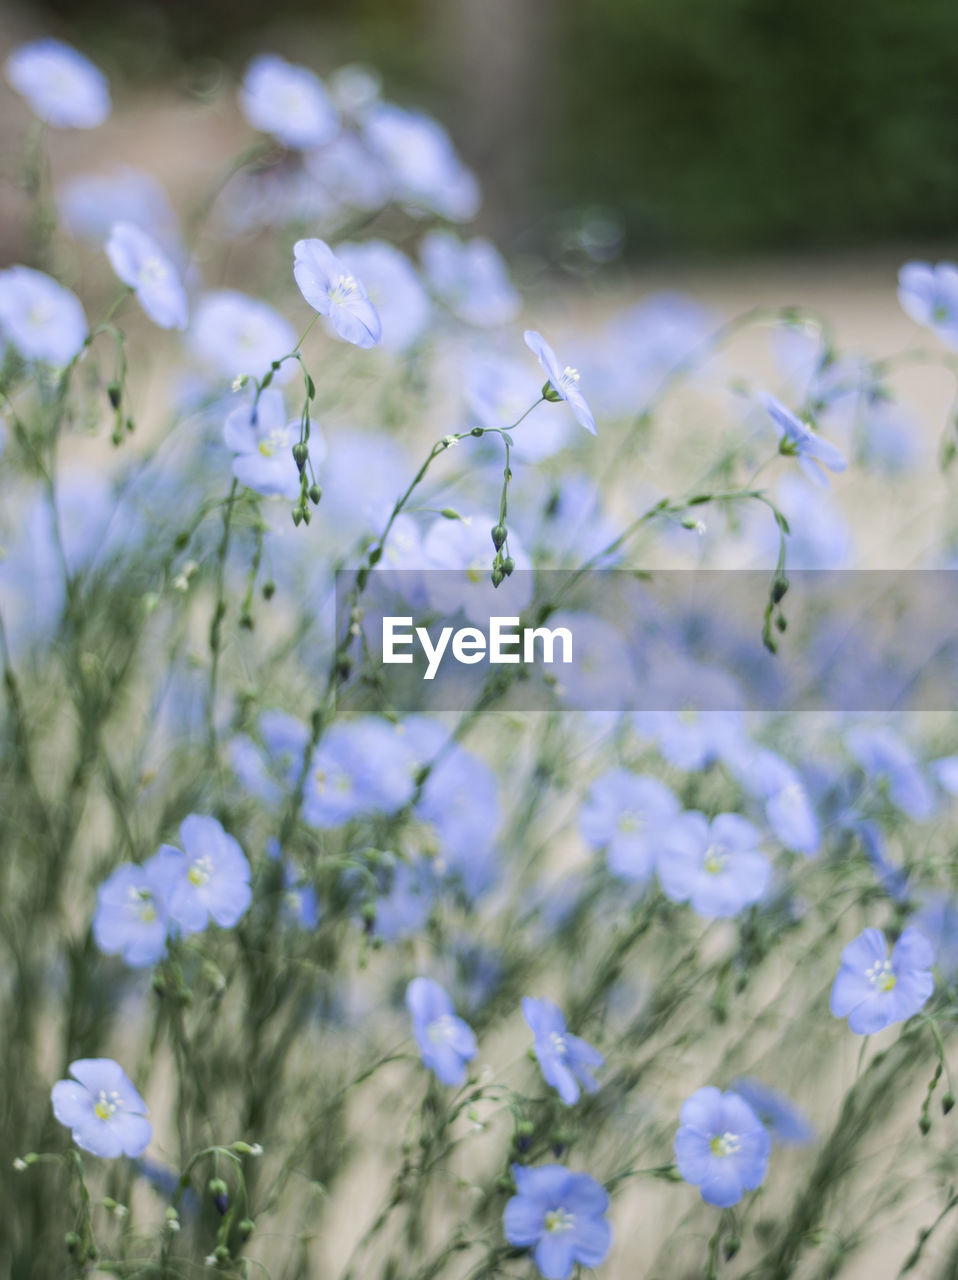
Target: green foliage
x,y
752,123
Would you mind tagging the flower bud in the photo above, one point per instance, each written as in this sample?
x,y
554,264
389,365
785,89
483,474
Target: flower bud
x,y
315,494
508,566
498,535
300,454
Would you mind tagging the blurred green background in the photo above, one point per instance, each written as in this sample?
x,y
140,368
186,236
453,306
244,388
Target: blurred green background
x,y
674,127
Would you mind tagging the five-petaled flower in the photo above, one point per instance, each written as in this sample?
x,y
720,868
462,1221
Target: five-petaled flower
x,y
445,1041
140,262
798,440
721,1146
561,1216
929,295
131,917
329,287
563,383
208,877
627,814
262,438
566,1060
873,990
288,102
39,317
62,87
715,866
102,1108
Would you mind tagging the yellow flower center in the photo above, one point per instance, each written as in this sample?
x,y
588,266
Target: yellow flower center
x,y
559,1220
200,872
725,1144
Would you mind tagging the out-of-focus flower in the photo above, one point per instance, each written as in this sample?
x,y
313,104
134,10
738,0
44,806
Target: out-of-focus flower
x,y
566,1061
872,990
563,383
465,545
715,866
361,766
103,1110
140,262
236,335
445,1041
39,317
721,1146
561,1216
393,287
263,440
349,174
781,1117
330,289
937,918
627,814
798,440
884,757
209,877
132,915
499,392
61,86
92,203
929,295
694,739
788,809
471,278
426,172
287,101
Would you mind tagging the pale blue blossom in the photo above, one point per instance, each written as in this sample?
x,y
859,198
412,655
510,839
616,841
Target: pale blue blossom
x,y
287,101
61,86
140,263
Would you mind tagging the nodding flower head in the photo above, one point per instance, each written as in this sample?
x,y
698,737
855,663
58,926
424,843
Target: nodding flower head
x,y
334,292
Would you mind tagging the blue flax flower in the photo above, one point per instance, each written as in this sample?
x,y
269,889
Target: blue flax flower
x,y
562,383
422,163
394,289
561,1216
208,877
872,990
721,1146
798,440
39,317
446,1042
715,866
262,438
330,289
884,757
61,86
102,1108
288,102
132,916
929,295
140,262
627,814
236,334
566,1061
471,279
778,1114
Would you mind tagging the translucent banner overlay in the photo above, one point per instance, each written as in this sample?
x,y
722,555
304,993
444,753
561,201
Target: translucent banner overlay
x,y
673,640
